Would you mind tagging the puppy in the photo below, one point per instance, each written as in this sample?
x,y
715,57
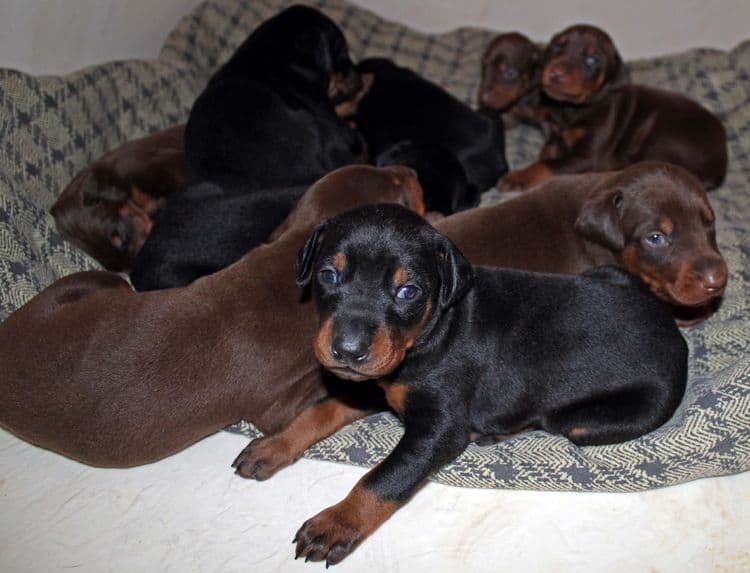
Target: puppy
x,y
110,377
652,218
442,177
465,353
267,118
510,84
205,228
606,123
109,207
402,106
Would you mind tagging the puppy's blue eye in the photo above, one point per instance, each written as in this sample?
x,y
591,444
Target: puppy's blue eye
x,y
329,276
510,74
656,239
407,292
591,61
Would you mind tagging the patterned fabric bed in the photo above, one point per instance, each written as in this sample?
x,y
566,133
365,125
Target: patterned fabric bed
x,y
51,127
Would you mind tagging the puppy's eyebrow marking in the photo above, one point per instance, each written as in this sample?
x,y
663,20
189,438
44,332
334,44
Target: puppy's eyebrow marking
x,y
339,262
666,225
400,276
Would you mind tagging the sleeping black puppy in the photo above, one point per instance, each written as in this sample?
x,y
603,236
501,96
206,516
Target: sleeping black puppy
x,y
267,117
465,353
441,175
400,105
204,228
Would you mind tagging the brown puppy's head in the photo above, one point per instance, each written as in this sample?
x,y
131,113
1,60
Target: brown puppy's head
x,y
381,276
510,68
581,63
656,219
106,216
109,208
351,186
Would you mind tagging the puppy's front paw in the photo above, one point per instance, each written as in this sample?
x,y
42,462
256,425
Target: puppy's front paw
x,y
513,181
263,457
330,535
522,179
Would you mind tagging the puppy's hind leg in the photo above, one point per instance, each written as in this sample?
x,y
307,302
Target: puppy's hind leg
x,y
611,417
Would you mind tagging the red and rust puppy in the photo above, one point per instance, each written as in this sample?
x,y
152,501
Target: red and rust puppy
x,y
111,377
465,353
267,117
652,218
510,81
109,208
581,66
604,123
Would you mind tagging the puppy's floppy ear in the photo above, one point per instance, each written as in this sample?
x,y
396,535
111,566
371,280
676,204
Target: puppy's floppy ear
x,y
617,71
456,273
600,219
306,255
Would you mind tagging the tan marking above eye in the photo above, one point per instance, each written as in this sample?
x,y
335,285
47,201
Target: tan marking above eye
x,y
339,262
400,276
666,225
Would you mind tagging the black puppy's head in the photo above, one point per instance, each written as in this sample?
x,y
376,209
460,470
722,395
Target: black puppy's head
x,y
381,276
308,43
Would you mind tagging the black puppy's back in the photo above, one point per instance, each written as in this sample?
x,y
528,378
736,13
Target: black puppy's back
x,y
442,177
205,228
595,357
401,105
265,118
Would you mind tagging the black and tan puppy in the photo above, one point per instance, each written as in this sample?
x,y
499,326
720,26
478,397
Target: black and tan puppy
x,y
465,353
603,122
267,117
401,105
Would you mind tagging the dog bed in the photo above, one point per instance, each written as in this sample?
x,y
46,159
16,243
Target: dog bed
x,y
53,126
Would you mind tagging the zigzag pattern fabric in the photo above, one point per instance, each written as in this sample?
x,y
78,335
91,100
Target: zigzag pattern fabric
x,y
51,127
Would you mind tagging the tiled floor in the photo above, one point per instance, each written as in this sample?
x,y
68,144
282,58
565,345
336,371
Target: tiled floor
x,y
191,513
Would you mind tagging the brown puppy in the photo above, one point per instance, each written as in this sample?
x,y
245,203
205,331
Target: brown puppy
x,y
110,377
604,123
510,81
652,218
108,209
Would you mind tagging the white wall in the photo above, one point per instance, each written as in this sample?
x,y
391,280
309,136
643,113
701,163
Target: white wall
x,y
57,36
640,28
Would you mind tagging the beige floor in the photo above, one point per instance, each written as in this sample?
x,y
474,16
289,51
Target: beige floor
x,y
191,513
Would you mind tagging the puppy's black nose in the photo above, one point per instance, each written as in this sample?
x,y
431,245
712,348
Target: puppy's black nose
x,y
350,348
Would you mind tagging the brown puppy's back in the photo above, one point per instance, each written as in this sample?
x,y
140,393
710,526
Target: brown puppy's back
x,y
111,377
535,231
574,222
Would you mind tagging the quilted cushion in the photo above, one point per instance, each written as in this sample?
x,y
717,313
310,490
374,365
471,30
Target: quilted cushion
x,y
53,126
